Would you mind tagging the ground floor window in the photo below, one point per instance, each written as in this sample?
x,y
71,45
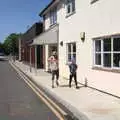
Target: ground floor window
x,y
107,52
71,51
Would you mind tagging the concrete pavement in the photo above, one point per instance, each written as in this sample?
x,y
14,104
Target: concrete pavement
x,y
85,103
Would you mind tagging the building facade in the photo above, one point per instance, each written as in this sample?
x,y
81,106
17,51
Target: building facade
x,y
50,35
87,30
30,53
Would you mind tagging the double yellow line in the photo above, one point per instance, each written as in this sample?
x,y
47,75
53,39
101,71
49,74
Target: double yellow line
x,y
60,113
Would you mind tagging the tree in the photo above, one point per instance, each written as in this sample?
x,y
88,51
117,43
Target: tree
x,y
1,47
11,44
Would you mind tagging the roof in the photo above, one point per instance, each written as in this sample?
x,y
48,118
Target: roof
x,y
32,26
50,4
32,32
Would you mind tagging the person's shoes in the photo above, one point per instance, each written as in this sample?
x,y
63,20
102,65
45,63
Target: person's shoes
x,y
57,83
77,87
52,86
69,86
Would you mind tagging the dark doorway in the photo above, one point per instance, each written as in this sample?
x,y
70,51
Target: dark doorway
x,y
39,56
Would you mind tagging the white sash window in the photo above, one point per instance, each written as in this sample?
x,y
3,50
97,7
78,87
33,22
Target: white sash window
x,y
71,51
70,6
107,52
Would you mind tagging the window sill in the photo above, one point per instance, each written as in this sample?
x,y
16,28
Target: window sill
x,y
68,15
52,25
107,69
93,1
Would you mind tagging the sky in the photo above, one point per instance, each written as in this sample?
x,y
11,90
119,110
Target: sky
x,y
17,15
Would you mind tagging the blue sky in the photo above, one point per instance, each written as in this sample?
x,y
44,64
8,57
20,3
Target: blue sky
x,y
16,15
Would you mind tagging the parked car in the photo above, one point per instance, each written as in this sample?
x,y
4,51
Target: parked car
x,y
3,57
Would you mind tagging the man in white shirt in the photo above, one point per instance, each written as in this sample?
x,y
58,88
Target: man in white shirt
x,y
53,61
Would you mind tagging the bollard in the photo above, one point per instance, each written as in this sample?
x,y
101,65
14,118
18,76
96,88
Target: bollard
x,y
86,82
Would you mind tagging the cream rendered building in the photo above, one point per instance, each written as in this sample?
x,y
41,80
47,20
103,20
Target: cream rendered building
x,y
89,30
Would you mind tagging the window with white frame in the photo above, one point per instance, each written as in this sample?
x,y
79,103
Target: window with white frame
x,y
53,16
70,6
107,52
71,51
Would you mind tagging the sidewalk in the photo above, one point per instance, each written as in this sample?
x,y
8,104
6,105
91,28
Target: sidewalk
x,y
85,103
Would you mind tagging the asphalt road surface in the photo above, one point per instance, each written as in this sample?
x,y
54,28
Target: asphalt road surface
x,y
17,100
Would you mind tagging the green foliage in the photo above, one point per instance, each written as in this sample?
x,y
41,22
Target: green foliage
x,y
10,44
1,47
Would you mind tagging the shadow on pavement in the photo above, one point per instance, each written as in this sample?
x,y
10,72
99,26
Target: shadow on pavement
x,y
72,86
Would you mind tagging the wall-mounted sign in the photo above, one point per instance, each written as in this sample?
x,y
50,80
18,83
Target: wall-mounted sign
x,y
61,43
82,36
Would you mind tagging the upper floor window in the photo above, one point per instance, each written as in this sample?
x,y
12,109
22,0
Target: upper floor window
x,y
44,17
53,16
70,6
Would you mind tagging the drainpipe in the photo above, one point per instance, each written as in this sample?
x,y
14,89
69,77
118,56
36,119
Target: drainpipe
x,y
58,45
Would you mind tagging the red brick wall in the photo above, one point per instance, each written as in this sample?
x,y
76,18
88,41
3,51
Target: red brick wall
x,y
33,55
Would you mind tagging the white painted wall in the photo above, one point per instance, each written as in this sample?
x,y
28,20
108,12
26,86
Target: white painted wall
x,y
98,19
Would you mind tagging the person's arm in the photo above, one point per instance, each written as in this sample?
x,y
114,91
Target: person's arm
x,y
70,68
76,66
50,58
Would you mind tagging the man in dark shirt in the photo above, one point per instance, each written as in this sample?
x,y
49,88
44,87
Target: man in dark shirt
x,y
73,74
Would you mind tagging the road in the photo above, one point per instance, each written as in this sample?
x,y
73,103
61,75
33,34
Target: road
x,y
17,100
